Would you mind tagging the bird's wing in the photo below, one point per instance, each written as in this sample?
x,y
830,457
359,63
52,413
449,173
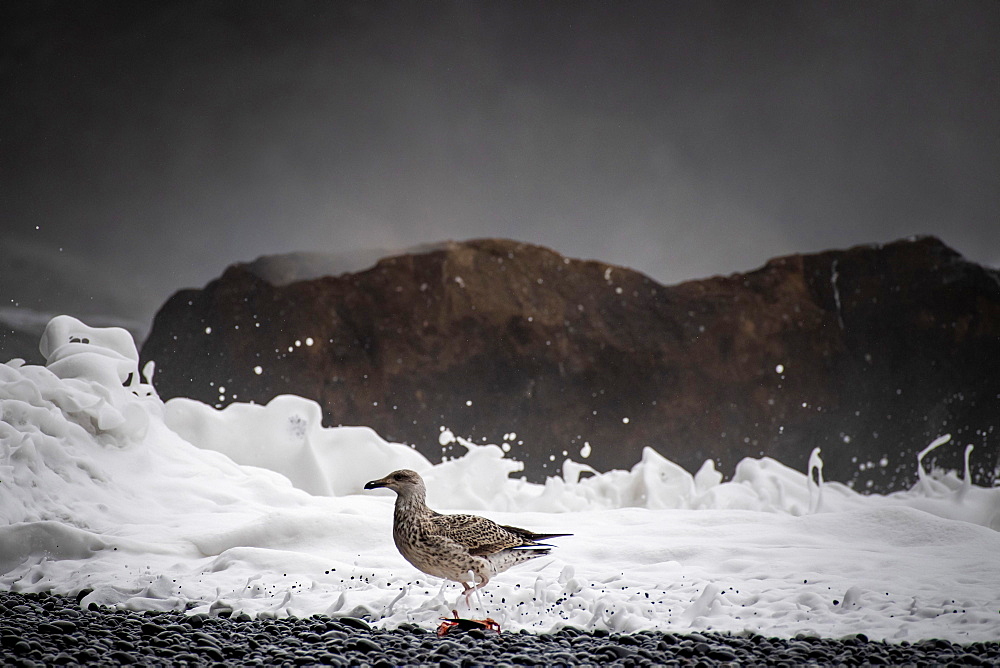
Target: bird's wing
x,y
479,535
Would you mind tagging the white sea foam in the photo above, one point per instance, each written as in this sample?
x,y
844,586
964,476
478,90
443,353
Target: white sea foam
x,y
260,509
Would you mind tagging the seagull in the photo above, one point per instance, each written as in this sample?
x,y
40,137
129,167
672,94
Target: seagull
x,y
455,547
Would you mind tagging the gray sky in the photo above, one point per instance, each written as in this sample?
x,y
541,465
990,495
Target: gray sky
x,y
146,146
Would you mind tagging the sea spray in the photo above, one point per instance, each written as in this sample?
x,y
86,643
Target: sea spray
x,y
131,503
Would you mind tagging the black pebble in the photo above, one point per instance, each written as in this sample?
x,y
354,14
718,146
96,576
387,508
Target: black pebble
x,y
122,657
213,653
626,640
447,647
365,645
720,654
617,651
356,623
150,629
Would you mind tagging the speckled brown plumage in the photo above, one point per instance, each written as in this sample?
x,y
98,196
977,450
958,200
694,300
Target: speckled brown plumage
x,y
452,546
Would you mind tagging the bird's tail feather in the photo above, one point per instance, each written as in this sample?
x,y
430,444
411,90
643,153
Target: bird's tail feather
x,y
547,536
530,535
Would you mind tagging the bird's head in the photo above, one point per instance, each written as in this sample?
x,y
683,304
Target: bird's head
x,y
404,482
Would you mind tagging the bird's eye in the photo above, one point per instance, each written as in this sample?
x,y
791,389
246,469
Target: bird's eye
x,y
398,476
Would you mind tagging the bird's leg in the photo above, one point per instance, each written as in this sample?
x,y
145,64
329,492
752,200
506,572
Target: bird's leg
x,y
469,590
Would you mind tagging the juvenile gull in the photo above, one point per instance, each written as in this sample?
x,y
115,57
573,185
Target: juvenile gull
x,y
450,546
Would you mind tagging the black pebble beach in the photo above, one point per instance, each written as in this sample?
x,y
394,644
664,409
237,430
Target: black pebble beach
x,y
48,630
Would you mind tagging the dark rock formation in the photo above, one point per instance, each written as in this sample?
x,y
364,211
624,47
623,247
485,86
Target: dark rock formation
x,y
868,353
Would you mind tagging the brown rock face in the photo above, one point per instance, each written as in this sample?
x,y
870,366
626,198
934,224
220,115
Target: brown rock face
x,y
868,353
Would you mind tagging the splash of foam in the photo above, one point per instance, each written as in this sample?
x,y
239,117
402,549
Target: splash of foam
x,y
104,489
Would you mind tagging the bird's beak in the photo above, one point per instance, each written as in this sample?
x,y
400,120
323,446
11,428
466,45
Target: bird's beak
x,y
375,484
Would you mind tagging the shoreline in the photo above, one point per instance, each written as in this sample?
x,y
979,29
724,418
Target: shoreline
x,y
46,629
